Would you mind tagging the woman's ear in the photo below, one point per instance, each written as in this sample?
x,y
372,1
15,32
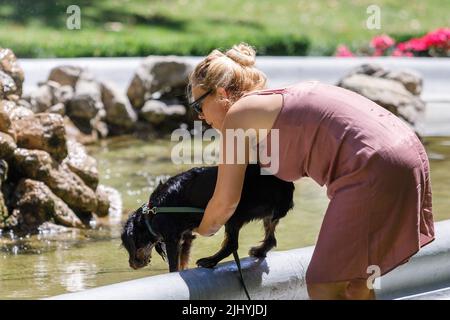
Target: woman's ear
x,y
222,93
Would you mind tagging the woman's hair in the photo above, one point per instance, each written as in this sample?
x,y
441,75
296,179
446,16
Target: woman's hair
x,y
233,70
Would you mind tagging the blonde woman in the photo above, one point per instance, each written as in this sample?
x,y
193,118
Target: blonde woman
x,y
374,167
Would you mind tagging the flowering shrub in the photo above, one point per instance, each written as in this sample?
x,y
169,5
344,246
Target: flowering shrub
x,y
434,44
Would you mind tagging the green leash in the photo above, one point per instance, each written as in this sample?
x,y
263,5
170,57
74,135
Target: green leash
x,y
154,210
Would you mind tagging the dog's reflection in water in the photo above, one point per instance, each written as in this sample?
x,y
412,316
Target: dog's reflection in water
x,y
263,197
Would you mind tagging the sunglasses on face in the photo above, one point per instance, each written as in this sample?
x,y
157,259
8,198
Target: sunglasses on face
x,y
197,104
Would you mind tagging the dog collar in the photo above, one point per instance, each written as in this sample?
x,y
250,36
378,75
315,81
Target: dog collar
x,y
147,210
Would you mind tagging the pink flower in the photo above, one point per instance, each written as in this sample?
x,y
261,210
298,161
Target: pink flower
x,y
439,38
343,51
399,53
382,42
416,44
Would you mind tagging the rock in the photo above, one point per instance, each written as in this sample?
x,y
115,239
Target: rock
x,y
63,94
368,69
35,164
58,108
4,213
7,146
82,164
48,94
86,101
7,112
51,228
119,112
86,109
157,112
73,133
103,201
100,127
390,94
42,98
7,86
24,103
157,74
410,79
43,131
65,75
20,112
11,221
39,165
5,119
9,65
36,204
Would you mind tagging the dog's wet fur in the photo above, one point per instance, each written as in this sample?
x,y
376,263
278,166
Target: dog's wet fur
x,y
263,197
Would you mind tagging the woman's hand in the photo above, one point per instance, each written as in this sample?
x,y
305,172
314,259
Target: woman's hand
x,y
219,210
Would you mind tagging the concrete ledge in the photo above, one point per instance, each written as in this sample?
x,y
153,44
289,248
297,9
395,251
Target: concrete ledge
x,y
280,276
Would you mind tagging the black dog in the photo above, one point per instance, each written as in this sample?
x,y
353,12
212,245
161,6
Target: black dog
x,y
263,197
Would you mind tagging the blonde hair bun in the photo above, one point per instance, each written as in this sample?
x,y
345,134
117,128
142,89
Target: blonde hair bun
x,y
242,54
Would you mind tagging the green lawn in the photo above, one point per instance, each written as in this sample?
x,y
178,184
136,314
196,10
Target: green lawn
x,y
37,28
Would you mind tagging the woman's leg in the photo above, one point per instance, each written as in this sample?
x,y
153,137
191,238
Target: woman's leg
x,y
345,290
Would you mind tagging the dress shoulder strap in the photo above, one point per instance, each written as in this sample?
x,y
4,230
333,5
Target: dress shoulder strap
x,y
265,91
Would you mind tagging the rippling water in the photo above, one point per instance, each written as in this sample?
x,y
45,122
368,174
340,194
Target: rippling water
x,y
50,264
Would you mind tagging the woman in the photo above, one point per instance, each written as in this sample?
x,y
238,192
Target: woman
x,y
374,166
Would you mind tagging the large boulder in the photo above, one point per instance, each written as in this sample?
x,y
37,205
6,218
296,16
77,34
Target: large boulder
x,y
86,101
120,115
86,108
397,91
66,75
411,80
158,75
39,165
43,131
10,66
82,164
36,204
50,96
158,113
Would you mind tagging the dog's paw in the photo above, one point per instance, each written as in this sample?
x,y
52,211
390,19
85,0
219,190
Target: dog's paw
x,y
206,263
257,252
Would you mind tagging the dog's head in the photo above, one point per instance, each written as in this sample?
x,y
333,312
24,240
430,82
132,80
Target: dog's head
x,y
139,241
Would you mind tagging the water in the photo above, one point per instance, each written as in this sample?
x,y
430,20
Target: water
x,y
50,264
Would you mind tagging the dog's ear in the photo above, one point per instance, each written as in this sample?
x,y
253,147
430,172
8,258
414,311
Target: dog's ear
x,y
160,247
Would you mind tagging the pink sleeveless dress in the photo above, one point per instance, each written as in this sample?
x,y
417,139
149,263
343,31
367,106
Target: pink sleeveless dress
x,y
376,172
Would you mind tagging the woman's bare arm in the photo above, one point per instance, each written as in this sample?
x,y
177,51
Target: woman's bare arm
x,y
230,180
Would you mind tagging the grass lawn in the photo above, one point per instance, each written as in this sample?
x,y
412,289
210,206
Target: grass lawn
x,y
37,28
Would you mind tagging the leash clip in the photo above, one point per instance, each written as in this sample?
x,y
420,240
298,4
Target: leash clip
x,y
147,210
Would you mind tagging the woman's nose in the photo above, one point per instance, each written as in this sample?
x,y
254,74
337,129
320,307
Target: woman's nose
x,y
201,116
